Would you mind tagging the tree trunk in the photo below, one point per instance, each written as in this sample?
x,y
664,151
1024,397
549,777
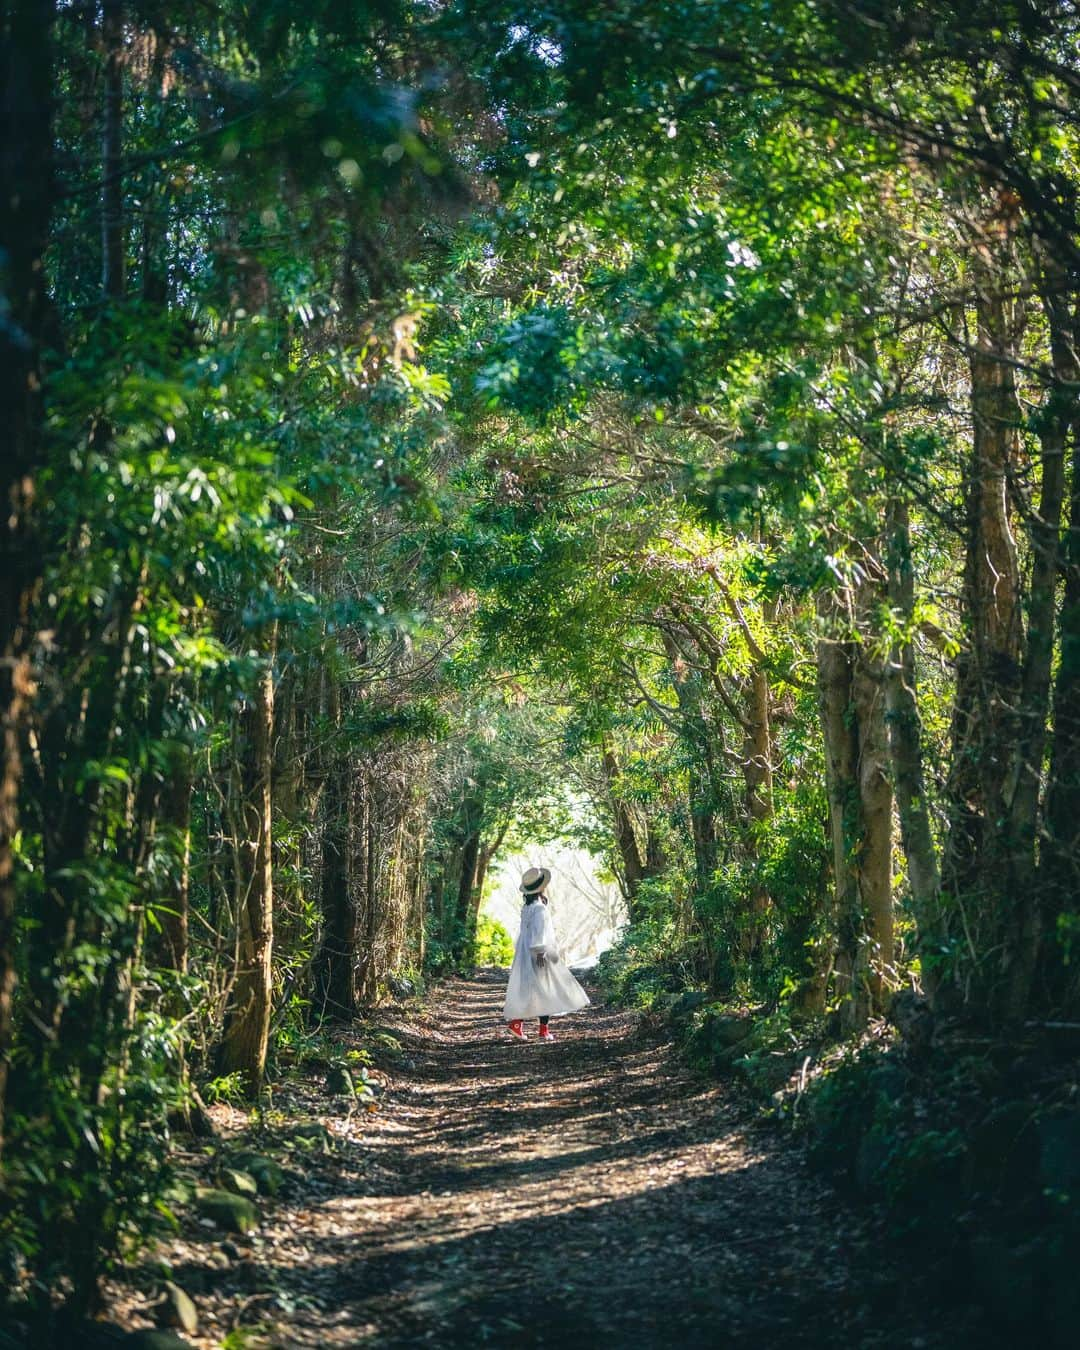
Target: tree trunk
x,y
758,749
470,857
26,192
483,862
905,748
1021,901
633,867
977,863
244,1044
873,844
852,709
112,146
841,768
338,953
1059,870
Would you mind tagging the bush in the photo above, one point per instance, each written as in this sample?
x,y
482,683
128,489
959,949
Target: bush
x,y
647,963
494,945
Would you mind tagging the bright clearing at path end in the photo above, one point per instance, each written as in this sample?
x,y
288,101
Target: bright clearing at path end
x,y
588,912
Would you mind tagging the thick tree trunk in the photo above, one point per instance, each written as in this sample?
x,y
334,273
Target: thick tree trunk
x,y
245,1041
470,857
26,190
977,863
1022,903
758,749
852,709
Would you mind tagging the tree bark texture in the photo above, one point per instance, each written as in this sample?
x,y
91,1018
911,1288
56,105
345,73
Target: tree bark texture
x,y
339,956
852,709
983,778
1022,903
473,823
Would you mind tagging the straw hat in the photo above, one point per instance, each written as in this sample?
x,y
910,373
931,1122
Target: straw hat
x,y
534,880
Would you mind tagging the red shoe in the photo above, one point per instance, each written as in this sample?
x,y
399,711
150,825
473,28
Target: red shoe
x,y
545,1034
516,1029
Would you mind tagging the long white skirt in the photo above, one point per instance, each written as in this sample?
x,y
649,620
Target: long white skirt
x,y
540,991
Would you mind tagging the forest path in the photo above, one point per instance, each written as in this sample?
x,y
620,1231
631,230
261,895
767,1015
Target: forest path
x,y
590,1193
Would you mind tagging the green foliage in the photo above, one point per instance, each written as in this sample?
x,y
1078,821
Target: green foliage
x,y
697,291
228,1088
75,1163
647,963
441,957
868,1125
494,945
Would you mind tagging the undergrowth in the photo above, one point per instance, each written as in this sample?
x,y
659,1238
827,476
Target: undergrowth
x,y
968,1145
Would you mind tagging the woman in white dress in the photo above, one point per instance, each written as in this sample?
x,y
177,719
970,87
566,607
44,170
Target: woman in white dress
x,y
539,985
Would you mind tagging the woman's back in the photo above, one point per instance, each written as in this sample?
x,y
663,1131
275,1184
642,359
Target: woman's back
x,y
539,983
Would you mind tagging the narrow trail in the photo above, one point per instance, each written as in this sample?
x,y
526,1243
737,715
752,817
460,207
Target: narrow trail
x,y
586,1193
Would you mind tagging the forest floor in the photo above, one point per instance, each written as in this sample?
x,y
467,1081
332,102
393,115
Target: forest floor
x,y
591,1192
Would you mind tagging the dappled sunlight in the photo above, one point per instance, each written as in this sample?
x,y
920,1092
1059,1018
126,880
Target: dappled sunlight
x,y
525,1193
637,441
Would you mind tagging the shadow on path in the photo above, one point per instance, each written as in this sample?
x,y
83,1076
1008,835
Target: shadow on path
x,y
590,1192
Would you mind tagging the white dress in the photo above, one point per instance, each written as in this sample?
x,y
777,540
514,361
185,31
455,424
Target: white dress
x,y
540,991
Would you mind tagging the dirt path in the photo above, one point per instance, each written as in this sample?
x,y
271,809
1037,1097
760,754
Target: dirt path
x,y
586,1193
